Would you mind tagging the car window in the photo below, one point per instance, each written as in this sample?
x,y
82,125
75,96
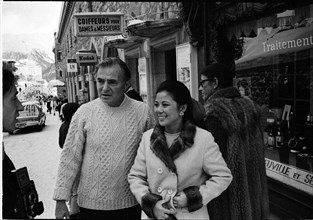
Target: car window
x,y
29,110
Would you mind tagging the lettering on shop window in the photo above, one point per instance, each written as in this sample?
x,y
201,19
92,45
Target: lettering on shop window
x,y
287,44
298,178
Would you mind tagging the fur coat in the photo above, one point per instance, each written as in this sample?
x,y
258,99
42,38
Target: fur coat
x,y
235,123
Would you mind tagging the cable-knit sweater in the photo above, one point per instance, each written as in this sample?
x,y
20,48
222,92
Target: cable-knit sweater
x,y
101,146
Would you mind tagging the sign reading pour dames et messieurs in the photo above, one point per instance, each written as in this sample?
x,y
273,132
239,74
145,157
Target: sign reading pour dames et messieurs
x,y
97,23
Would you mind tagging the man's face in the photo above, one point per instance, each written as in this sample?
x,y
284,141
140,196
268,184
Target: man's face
x,y
11,107
206,87
111,85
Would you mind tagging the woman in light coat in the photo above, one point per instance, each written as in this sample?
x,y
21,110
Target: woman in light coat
x,y
178,168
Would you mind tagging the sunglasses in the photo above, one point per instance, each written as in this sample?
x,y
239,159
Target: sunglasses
x,y
203,81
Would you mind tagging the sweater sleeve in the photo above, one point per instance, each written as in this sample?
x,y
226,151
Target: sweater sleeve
x,y
219,174
71,157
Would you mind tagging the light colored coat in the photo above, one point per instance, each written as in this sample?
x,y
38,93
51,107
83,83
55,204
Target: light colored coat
x,y
199,166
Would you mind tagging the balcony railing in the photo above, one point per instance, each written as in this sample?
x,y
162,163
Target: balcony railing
x,y
154,16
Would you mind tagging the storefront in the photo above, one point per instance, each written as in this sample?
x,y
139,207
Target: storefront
x,y
276,71
157,49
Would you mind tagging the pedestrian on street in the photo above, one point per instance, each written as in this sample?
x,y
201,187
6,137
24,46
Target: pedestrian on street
x,y
65,101
55,101
178,168
49,108
11,107
100,146
68,111
235,122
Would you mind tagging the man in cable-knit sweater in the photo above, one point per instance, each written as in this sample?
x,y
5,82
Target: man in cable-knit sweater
x,y
100,146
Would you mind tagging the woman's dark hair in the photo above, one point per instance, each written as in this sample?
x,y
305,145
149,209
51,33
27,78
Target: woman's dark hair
x,y
111,61
8,81
222,72
180,94
68,111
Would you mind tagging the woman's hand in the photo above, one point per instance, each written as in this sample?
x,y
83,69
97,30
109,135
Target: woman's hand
x,y
180,200
160,212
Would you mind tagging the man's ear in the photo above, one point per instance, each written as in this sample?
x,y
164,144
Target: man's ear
x,y
127,85
215,82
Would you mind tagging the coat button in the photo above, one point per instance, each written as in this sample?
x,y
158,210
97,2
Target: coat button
x,y
159,189
160,171
170,191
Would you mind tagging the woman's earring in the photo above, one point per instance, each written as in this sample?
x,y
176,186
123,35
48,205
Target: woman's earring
x,y
181,113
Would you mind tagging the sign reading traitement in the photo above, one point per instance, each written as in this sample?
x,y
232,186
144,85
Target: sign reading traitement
x,y
98,23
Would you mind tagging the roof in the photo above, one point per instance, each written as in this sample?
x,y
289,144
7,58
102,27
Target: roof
x,y
32,102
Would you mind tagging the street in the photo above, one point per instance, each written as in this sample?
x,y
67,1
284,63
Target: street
x,y
39,152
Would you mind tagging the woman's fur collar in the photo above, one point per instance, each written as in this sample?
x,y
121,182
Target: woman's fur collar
x,y
168,154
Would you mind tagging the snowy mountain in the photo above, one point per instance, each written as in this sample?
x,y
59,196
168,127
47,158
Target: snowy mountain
x,y
36,47
25,43
38,56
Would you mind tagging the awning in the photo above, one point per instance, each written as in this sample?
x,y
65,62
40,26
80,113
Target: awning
x,y
152,28
124,43
269,45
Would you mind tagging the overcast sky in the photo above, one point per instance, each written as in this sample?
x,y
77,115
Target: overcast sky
x,y
23,17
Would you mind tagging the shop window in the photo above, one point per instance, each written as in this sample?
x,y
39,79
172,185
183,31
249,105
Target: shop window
x,y
59,55
293,85
71,40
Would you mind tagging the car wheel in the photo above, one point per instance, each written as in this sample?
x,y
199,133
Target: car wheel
x,y
11,132
40,127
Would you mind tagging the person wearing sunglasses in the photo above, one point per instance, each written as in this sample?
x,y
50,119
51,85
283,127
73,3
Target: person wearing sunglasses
x,y
235,122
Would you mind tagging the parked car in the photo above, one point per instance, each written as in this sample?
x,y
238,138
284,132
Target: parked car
x,y
31,116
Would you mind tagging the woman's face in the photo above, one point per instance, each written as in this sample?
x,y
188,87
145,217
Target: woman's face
x,y
167,112
11,107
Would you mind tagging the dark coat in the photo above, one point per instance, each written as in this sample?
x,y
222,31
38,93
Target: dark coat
x,y
10,189
235,123
63,132
133,94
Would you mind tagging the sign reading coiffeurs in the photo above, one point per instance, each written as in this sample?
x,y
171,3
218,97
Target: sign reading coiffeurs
x,y
98,24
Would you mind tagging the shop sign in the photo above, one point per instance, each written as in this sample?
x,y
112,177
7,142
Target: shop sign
x,y
281,42
98,24
86,58
290,175
71,65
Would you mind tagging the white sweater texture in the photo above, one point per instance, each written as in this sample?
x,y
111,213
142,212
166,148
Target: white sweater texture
x,y
101,146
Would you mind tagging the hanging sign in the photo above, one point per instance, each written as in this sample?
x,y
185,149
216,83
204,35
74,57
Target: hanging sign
x,y
98,24
86,58
71,65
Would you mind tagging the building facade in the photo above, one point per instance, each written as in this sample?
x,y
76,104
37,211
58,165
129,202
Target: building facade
x,y
151,34
269,45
